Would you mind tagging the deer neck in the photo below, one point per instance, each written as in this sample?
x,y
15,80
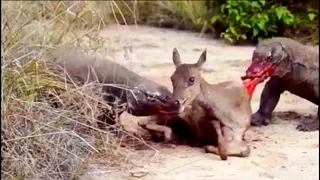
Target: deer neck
x,y
203,85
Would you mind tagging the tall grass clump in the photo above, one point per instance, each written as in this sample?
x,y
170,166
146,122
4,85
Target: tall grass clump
x,y
49,127
186,15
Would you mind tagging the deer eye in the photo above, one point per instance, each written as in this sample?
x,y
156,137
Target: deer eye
x,y
191,79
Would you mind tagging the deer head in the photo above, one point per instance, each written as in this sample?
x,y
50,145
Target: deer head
x,y
186,79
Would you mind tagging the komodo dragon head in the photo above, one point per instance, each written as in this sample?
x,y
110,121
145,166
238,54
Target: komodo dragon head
x,y
143,97
270,58
150,99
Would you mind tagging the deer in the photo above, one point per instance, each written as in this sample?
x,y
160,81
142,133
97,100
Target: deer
x,y
220,113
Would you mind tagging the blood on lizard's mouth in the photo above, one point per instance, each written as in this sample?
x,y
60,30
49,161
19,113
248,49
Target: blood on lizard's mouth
x,y
259,70
255,74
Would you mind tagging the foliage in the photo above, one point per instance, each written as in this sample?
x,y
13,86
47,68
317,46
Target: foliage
x,y
305,28
255,19
234,20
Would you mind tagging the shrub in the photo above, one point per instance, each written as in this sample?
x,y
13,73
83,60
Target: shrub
x,y
254,20
233,20
305,28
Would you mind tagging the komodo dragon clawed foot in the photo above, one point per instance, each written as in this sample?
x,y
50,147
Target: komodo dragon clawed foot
x,y
309,125
258,119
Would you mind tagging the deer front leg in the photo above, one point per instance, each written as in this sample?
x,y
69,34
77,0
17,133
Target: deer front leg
x,y
239,149
150,123
222,149
130,123
167,131
237,146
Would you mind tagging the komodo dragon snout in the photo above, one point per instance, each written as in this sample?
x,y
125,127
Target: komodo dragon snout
x,y
146,99
266,60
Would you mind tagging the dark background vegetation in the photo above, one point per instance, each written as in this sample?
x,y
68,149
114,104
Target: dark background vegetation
x,y
234,20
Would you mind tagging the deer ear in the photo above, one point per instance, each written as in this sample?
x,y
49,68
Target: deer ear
x,y
176,57
202,58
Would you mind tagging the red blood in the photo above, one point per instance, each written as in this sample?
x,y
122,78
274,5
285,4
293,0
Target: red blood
x,y
250,85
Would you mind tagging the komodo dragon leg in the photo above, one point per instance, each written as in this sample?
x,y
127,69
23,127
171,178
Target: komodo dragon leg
x,y
310,124
268,101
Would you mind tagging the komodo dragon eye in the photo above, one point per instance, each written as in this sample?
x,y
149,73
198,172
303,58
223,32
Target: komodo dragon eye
x,y
151,96
269,58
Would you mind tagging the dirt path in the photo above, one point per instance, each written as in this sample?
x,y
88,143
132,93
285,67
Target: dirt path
x,y
279,151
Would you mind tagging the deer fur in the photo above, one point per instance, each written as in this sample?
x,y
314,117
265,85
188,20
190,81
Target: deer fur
x,y
220,112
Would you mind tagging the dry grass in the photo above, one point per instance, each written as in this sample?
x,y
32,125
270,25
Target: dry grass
x,y
50,127
188,15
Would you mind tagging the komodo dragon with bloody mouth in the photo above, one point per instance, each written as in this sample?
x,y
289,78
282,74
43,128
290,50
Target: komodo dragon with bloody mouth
x,y
292,67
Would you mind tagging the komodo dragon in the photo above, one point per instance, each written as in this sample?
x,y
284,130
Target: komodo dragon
x,y
292,67
145,96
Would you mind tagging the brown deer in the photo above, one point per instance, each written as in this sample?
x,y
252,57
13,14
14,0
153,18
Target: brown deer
x,y
217,112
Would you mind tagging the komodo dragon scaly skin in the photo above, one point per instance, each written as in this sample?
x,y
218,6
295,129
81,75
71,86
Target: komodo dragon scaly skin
x,y
292,67
146,97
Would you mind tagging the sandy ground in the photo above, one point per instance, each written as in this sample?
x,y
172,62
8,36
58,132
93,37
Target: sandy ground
x,y
279,152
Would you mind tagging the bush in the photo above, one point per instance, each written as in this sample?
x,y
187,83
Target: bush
x,y
233,20
256,19
306,27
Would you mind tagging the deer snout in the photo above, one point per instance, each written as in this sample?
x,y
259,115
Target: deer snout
x,y
182,104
